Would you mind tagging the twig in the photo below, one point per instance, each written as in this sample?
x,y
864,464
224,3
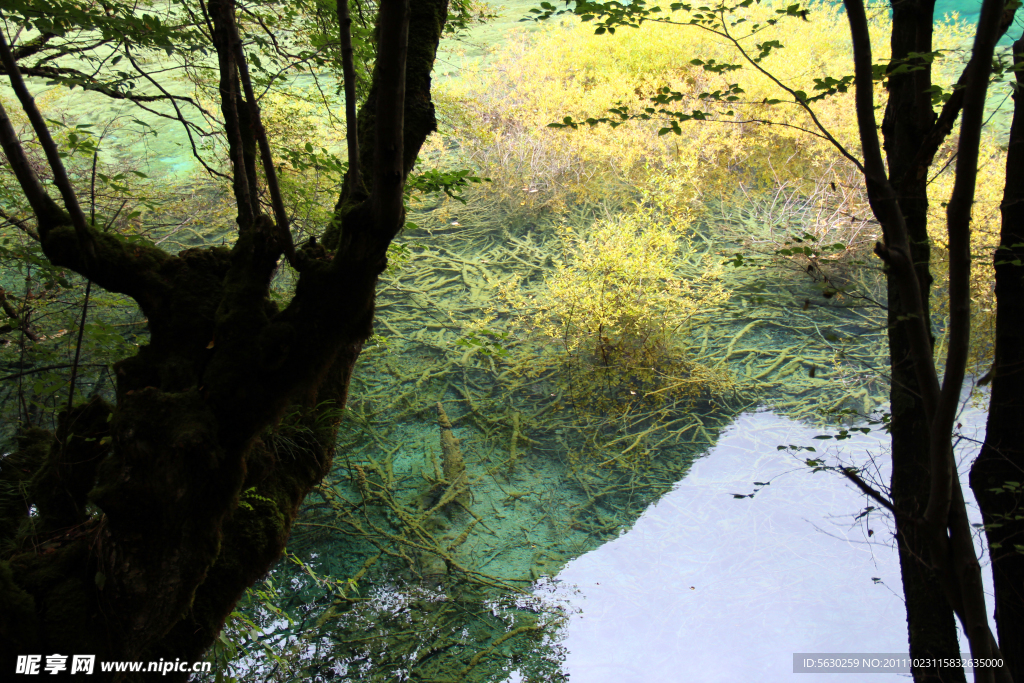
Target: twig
x,y
852,475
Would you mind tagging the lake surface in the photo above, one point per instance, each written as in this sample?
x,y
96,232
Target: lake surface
x,y
697,586
684,582
706,588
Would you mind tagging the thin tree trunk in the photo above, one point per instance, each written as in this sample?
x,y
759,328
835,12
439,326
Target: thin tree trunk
x,y
908,120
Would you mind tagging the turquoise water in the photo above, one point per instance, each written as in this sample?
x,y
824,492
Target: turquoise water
x,y
967,9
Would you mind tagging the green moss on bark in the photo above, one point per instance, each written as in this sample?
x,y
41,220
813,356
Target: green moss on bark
x,y
157,568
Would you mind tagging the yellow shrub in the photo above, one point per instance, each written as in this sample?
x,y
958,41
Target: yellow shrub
x,y
764,151
620,296
614,317
985,225
566,70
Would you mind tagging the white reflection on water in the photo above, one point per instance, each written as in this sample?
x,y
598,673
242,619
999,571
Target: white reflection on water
x,y
708,588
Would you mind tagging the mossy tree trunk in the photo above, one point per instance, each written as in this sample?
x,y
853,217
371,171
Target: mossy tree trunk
x,y
129,542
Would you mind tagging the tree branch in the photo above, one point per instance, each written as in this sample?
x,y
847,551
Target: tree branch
x,y
958,217
896,249
951,554
48,213
950,111
868,490
388,169
180,117
60,176
33,46
945,500
280,216
19,318
222,14
68,76
20,224
801,102
47,368
354,178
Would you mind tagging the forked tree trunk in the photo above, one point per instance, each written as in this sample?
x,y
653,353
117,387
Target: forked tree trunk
x,y
137,548
909,118
940,524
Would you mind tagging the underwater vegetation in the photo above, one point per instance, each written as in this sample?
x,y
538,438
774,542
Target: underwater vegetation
x,y
553,346
582,323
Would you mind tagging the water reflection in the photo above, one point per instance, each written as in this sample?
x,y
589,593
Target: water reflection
x,y
706,587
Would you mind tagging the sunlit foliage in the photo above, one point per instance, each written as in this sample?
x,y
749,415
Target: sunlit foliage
x,y
747,141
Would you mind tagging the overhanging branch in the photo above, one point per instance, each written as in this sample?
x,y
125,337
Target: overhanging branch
x,y
943,125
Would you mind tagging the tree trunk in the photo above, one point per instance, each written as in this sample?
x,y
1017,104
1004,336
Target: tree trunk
x,y
1002,456
909,118
137,547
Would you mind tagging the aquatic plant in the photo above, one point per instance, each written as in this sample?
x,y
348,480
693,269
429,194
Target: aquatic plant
x,y
624,296
940,566
741,148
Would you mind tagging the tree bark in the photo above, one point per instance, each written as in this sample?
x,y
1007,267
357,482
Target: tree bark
x,y
138,549
1002,455
908,120
941,526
